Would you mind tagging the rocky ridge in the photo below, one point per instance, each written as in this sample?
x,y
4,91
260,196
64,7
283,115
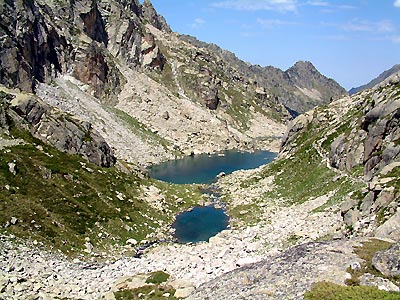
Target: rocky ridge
x,y
55,127
384,75
299,88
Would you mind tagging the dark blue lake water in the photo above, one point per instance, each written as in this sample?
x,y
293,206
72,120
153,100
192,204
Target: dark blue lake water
x,y
204,168
199,224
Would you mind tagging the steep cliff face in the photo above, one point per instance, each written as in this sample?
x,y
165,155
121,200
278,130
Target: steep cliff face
x,y
31,49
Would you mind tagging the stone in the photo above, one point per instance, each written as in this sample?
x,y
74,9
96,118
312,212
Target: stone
x,y
3,283
347,205
12,167
379,282
130,282
131,242
184,292
388,261
108,296
366,205
13,220
180,284
390,229
351,217
165,115
88,247
245,261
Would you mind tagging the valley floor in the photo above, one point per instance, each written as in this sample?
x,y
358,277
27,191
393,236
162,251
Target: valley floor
x,y
28,272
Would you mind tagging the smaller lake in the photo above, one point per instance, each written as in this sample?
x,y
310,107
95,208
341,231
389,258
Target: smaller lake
x,y
204,168
199,224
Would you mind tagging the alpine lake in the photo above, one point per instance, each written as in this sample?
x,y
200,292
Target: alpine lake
x,y
202,222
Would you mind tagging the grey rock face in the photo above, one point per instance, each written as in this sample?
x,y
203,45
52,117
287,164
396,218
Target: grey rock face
x,y
61,131
94,25
150,14
30,50
286,276
388,261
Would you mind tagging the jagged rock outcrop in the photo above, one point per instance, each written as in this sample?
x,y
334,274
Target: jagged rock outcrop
x,y
151,54
150,15
30,49
373,143
93,23
55,128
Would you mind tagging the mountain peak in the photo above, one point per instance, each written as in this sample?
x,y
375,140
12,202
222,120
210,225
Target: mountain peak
x,y
303,65
150,14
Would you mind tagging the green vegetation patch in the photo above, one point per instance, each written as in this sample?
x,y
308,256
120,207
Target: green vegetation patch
x,y
331,291
157,277
366,252
147,292
62,200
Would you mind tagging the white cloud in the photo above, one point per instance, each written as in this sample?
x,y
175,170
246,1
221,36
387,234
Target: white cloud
x,y
318,3
271,23
396,3
396,39
197,23
276,5
329,7
368,26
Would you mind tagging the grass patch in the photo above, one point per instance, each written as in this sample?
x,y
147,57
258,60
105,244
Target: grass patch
x,y
250,214
61,199
366,252
157,277
331,291
147,292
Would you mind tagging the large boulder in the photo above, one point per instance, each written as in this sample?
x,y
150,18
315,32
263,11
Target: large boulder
x,y
388,261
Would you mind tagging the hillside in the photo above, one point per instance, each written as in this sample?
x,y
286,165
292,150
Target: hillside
x,y
118,66
92,92
337,176
377,80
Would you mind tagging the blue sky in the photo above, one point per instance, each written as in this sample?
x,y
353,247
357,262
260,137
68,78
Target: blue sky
x,y
349,41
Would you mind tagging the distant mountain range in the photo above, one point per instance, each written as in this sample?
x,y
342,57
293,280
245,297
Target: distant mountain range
x,y
377,80
299,89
